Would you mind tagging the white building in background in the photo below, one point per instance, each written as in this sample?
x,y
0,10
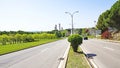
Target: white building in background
x,y
94,32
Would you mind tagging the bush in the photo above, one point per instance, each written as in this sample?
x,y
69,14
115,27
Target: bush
x,y
75,41
4,39
23,38
58,34
106,35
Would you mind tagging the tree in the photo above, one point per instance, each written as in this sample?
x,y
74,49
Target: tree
x,y
12,39
18,38
4,39
75,41
63,32
36,36
24,37
58,34
115,15
110,18
28,38
80,31
103,21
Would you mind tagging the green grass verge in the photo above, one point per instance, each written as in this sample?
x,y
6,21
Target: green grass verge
x,y
5,49
76,60
91,36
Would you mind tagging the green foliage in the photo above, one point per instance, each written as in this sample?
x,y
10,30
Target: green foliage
x,y
8,48
75,41
36,36
15,32
58,34
80,31
4,39
103,21
110,18
63,32
29,38
22,38
18,37
115,15
84,32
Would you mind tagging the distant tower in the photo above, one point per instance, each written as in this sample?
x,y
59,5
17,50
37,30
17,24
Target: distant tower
x,y
59,26
55,27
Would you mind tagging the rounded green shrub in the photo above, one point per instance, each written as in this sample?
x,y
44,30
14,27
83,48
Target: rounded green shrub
x,y
75,41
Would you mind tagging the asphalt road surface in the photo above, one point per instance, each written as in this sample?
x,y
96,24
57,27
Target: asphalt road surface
x,y
102,53
44,56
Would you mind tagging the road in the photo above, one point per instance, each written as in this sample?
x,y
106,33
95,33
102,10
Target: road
x,y
102,53
44,56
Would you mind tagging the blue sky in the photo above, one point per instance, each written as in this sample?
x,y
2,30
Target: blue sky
x,y
42,15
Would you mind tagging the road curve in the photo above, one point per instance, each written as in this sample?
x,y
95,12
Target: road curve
x,y
44,56
103,54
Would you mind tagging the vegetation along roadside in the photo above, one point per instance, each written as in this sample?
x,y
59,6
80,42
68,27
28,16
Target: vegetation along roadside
x,y
20,46
15,42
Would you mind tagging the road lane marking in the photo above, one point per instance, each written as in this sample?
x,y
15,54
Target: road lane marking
x,y
93,63
89,61
109,48
45,50
63,62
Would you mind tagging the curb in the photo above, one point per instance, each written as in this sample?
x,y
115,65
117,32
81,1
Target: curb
x,y
114,41
89,61
108,40
64,58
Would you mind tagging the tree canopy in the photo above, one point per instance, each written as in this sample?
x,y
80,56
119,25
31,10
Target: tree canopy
x,y
110,18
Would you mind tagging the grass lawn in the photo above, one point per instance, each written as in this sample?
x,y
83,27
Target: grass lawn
x,y
76,60
4,49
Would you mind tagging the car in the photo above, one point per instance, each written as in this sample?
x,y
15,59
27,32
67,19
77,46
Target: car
x,y
85,38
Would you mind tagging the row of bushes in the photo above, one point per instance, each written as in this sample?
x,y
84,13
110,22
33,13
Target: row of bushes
x,y
21,38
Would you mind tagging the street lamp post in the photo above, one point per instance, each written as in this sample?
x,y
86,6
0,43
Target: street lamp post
x,y
71,14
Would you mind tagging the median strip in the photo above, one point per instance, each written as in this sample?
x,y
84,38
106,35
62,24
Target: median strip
x,y
76,59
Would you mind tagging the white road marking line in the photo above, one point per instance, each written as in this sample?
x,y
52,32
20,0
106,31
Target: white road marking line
x,y
91,60
93,63
83,49
44,50
63,62
109,48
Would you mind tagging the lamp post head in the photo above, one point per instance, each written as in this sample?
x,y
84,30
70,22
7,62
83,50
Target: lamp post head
x,y
66,12
77,11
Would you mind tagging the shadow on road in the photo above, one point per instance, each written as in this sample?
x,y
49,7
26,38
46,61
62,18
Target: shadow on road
x,y
90,55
